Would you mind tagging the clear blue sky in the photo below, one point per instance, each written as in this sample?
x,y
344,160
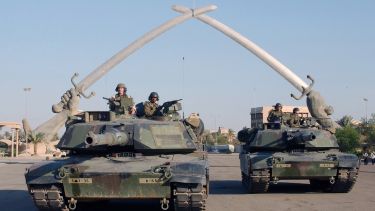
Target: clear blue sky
x,y
42,43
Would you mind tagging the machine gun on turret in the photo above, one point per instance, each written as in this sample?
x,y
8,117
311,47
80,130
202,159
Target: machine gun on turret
x,y
170,107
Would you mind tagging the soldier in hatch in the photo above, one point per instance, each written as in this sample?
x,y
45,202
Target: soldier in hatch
x,y
151,106
295,118
276,115
121,103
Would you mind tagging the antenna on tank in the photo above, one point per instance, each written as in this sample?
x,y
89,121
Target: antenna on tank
x,y
183,85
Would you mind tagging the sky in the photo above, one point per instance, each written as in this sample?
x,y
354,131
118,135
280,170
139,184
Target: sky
x,y
43,43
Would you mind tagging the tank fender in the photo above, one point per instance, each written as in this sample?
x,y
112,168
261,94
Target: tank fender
x,y
189,172
348,161
189,179
43,173
260,160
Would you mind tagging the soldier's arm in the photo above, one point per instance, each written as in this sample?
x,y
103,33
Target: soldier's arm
x,y
131,101
270,116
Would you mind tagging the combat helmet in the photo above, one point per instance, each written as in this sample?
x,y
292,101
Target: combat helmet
x,y
278,105
153,94
120,85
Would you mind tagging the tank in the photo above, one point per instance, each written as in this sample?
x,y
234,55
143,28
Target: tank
x,y
277,152
124,158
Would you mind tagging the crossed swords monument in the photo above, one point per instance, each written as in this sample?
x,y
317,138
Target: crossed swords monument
x,y
69,103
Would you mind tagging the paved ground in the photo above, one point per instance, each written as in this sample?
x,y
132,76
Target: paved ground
x,y
226,192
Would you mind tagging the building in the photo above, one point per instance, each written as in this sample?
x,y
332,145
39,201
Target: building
x,y
223,131
226,132
259,114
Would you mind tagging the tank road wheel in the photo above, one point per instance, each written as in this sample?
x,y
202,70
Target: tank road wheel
x,y
257,181
48,197
343,183
189,197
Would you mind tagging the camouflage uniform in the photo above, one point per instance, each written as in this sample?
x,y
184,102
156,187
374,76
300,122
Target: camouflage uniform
x,y
275,116
121,104
294,120
150,108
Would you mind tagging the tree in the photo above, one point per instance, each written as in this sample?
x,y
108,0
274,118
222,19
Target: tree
x,y
222,139
348,139
345,121
370,138
36,138
208,138
371,120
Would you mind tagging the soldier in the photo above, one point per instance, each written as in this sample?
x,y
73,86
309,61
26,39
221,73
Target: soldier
x,y
276,115
151,106
121,103
295,119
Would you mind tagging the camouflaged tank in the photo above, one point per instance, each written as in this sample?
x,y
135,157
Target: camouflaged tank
x,y
124,159
277,152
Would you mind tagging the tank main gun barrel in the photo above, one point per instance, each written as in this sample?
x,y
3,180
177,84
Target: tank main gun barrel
x,y
115,138
299,138
305,137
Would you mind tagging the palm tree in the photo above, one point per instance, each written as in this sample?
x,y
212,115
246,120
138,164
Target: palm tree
x,y
36,138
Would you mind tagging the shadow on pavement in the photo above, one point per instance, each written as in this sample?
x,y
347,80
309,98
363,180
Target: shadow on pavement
x,y
218,187
120,205
15,200
226,187
292,188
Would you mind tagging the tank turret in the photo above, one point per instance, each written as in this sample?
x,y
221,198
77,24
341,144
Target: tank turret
x,y
101,132
309,139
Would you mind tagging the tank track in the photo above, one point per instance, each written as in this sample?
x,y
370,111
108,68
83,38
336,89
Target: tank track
x,y
343,183
189,197
257,181
48,197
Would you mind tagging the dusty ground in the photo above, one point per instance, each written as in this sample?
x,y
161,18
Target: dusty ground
x,y
226,192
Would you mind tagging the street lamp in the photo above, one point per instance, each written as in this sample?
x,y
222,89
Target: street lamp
x,y
365,100
27,89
